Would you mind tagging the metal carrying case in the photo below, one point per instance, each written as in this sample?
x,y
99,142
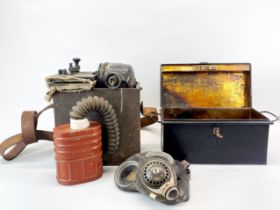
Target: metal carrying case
x,y
113,82
110,95
207,114
126,102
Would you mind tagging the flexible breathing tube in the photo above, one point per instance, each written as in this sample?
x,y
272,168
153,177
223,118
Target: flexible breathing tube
x,y
108,115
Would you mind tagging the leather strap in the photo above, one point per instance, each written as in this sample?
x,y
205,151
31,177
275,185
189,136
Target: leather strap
x,y
150,116
29,134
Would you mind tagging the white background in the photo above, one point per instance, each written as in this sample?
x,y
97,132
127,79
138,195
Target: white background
x,y
38,37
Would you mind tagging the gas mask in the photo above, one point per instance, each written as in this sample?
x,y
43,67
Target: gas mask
x,y
155,174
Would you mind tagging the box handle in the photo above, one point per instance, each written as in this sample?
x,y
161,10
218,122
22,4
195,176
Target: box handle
x,y
217,132
274,115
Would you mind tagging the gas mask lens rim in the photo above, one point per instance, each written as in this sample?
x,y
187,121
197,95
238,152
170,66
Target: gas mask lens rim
x,y
116,81
124,176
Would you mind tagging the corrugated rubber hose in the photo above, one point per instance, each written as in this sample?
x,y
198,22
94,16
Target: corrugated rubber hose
x,y
109,118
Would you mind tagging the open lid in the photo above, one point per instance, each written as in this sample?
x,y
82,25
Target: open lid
x,y
206,85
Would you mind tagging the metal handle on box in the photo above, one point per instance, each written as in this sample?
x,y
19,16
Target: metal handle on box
x,y
274,115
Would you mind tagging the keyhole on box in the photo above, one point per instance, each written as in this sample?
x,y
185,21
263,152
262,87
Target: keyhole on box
x,y
217,133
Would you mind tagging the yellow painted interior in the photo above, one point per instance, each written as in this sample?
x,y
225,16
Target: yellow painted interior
x,y
216,86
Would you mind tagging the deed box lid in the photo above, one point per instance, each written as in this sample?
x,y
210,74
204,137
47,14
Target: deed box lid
x,y
206,85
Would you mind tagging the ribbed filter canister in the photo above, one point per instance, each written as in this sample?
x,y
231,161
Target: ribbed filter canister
x,y
78,153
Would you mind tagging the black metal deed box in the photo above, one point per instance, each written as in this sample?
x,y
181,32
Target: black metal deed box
x,y
208,117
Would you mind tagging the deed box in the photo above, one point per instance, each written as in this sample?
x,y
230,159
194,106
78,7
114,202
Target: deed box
x,y
207,114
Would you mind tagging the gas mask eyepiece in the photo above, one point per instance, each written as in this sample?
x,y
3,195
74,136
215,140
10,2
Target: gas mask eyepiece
x,y
155,174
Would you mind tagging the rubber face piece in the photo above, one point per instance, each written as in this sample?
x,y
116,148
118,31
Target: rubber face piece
x,y
155,174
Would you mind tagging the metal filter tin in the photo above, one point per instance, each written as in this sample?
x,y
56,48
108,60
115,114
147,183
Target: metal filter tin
x,y
78,153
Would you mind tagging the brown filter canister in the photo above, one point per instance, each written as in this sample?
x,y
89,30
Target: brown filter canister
x,y
78,153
